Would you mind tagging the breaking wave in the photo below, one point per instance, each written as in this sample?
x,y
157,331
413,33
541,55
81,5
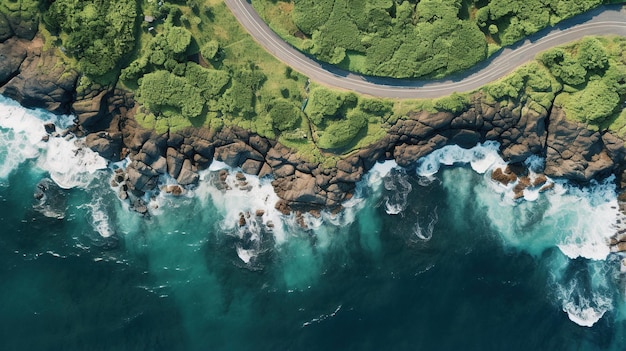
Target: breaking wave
x,y
23,137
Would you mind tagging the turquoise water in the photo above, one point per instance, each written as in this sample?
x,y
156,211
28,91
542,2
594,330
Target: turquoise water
x,y
459,265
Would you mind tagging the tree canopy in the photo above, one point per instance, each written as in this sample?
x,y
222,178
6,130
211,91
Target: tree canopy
x,y
426,38
98,33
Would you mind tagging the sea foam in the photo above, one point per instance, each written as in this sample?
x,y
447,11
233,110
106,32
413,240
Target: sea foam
x,y
578,221
22,131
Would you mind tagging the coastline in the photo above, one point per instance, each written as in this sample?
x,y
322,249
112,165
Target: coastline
x,y
104,115
476,203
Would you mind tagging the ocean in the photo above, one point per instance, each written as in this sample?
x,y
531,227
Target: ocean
x,y
436,257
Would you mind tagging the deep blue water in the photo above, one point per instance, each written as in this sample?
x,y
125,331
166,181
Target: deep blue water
x,y
460,266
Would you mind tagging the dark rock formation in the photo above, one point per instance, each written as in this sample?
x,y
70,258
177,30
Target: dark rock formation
x,y
40,80
576,152
90,107
520,130
18,23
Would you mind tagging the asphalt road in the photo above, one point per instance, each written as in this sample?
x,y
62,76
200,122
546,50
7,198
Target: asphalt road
x,y
601,21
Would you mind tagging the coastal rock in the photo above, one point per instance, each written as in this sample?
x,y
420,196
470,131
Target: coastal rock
x,y
91,108
438,120
141,177
43,81
574,151
299,188
174,161
19,22
173,189
108,145
236,153
251,166
505,177
5,28
188,174
406,154
12,55
203,147
464,138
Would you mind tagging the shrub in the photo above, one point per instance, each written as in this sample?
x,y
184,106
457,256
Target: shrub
x,y
323,103
454,103
340,133
594,104
592,55
210,49
98,33
211,82
178,39
161,90
285,115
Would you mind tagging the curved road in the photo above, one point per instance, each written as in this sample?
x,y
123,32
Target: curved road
x,y
601,21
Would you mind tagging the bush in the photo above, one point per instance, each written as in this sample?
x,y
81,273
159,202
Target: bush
x,y
210,49
454,103
323,103
98,33
594,104
178,39
377,107
161,90
563,66
592,55
210,82
340,133
285,115
518,18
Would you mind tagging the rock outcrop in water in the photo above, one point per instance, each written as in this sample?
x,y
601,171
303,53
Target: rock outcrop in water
x,y
36,78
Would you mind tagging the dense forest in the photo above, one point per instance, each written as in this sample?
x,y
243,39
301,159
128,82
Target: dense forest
x,y
412,38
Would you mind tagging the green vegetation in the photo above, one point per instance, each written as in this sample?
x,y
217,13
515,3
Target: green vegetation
x,y
519,18
340,121
408,38
285,115
593,73
97,33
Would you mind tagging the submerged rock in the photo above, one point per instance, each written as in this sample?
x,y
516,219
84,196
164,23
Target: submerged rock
x,y
504,177
50,199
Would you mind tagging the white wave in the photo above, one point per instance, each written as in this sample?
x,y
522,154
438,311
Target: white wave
x,y
425,234
397,189
70,163
481,157
531,194
245,255
577,220
250,197
591,215
587,312
584,296
21,132
100,220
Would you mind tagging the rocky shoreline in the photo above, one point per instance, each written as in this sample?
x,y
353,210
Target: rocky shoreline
x,y
37,78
